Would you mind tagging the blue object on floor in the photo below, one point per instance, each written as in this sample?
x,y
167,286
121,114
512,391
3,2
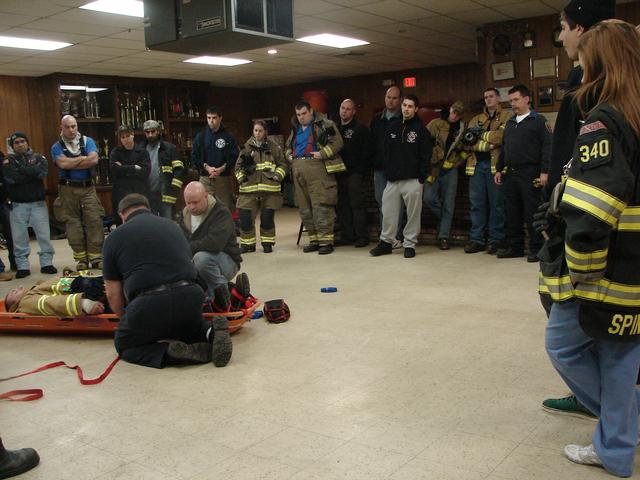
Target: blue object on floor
x,y
257,314
329,289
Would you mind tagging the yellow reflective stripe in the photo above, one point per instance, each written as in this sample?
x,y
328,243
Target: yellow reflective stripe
x,y
69,305
177,164
95,256
326,238
335,168
42,305
248,241
558,288
280,171
265,166
606,291
168,199
240,175
265,239
313,238
176,182
629,220
485,136
592,200
260,187
167,169
79,255
328,151
483,146
470,170
447,165
578,261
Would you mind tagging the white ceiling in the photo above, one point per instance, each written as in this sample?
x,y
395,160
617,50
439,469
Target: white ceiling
x,y
403,34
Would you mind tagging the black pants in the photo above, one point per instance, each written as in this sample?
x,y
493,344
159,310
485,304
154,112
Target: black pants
x,y
352,214
521,201
174,314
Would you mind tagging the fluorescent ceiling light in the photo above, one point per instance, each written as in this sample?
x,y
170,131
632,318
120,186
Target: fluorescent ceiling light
x,y
31,43
331,40
82,88
224,61
133,8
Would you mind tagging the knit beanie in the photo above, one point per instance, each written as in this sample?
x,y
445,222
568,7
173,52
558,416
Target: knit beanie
x,y
17,135
589,12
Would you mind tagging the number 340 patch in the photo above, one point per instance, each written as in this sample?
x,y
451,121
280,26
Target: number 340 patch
x,y
598,150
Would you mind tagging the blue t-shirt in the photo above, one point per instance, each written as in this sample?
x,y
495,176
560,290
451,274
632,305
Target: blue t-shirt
x,y
301,142
77,174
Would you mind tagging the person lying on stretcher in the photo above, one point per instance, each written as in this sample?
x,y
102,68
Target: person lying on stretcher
x,y
60,297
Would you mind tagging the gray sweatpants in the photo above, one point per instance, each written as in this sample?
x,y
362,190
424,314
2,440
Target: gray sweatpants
x,y
395,194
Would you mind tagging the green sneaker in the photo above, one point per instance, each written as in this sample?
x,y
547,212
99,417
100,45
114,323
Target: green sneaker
x,y
568,406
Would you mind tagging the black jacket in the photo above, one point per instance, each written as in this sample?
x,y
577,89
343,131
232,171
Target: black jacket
x,y
379,128
23,177
215,149
216,233
357,144
408,149
526,144
565,131
172,172
127,178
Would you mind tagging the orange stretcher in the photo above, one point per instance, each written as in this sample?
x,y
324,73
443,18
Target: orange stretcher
x,y
104,324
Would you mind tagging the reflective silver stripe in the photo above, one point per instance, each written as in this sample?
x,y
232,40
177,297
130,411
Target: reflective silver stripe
x,y
630,220
592,200
559,288
596,260
610,292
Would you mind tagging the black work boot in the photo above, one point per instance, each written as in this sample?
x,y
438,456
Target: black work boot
x,y
247,248
15,462
221,299
311,247
180,353
325,249
221,347
383,248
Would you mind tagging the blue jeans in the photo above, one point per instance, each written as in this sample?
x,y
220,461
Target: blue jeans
x,y
215,269
34,215
441,198
602,374
486,203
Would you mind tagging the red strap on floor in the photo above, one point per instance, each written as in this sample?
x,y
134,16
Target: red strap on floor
x,y
36,393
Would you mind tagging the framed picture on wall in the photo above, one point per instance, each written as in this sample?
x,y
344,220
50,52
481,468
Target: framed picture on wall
x,y
545,96
503,71
504,94
560,88
546,67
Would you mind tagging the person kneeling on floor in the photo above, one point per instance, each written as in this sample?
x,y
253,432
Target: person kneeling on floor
x,y
209,227
148,267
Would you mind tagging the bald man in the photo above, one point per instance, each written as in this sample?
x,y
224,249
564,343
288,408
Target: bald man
x,y
77,205
208,225
352,214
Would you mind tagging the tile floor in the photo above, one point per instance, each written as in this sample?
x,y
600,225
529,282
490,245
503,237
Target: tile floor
x,y
425,368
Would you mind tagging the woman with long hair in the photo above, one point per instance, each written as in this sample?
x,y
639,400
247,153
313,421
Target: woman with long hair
x,y
260,169
593,334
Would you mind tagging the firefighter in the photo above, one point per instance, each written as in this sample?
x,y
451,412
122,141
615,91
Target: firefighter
x,y
260,170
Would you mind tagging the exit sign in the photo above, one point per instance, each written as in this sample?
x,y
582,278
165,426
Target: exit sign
x,y
409,82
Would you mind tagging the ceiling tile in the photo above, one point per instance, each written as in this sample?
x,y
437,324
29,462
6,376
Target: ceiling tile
x,y
395,10
310,25
448,6
59,26
41,8
313,7
130,34
91,17
442,24
529,9
482,16
355,18
12,20
117,43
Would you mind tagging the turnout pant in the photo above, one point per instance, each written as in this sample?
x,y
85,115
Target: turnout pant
x,y
396,194
521,200
352,214
316,196
602,374
249,204
222,188
173,314
158,207
441,198
81,211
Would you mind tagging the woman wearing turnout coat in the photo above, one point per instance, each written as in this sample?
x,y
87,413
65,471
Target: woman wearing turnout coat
x,y
590,266
260,169
130,166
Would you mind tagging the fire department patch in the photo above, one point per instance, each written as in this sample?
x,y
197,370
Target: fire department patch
x,y
348,133
220,143
592,127
411,137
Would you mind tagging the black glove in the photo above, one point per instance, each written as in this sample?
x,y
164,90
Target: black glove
x,y
248,164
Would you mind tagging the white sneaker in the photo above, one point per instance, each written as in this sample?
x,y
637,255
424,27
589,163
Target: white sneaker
x,y
396,244
582,455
